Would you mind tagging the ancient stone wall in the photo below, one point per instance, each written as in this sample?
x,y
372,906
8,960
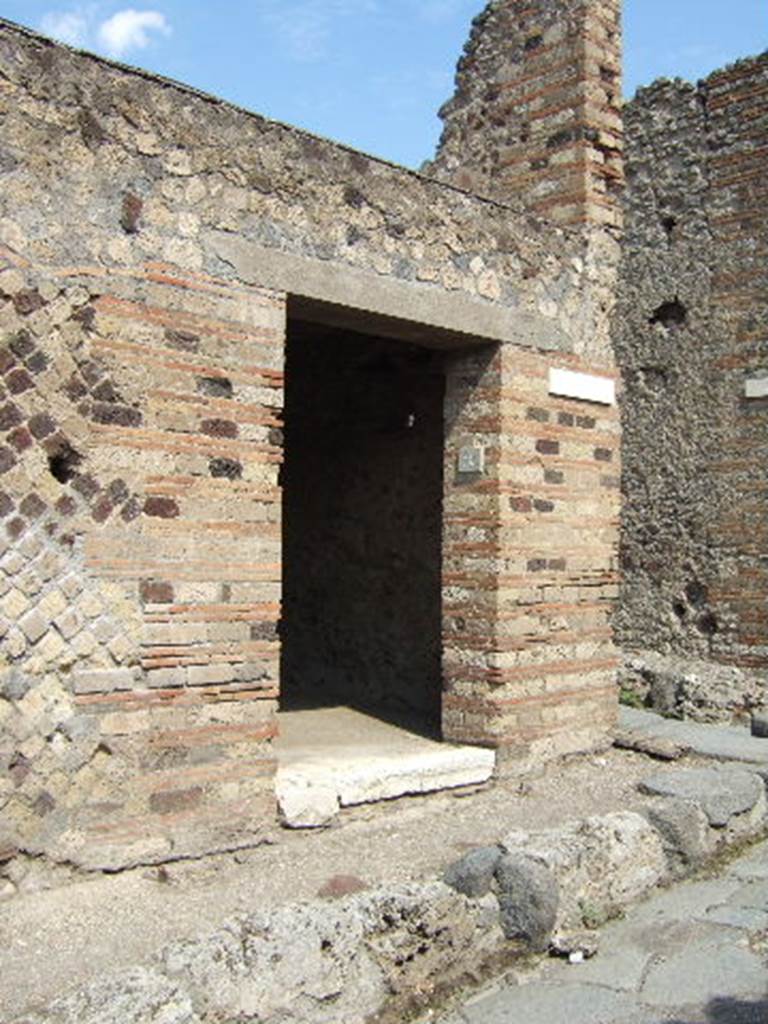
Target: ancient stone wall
x,y
152,242
692,342
530,563
536,117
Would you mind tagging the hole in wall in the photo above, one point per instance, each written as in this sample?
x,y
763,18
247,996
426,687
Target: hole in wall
x,y
669,224
680,610
670,315
707,624
64,462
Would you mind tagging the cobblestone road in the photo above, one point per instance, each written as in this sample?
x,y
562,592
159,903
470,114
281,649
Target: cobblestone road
x,y
694,954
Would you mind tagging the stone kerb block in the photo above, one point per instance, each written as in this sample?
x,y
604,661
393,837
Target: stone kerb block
x,y
473,874
685,834
722,794
602,865
528,899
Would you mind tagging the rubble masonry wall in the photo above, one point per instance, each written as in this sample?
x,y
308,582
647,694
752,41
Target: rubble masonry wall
x,y
691,333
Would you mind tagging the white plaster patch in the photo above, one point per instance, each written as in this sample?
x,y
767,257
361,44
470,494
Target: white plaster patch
x,y
585,386
757,387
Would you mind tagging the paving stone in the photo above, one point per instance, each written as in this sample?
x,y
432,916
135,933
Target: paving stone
x,y
721,795
722,742
685,902
697,975
754,894
748,918
753,866
570,1003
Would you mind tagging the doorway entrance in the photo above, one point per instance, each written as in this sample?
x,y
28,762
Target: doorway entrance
x,y
362,525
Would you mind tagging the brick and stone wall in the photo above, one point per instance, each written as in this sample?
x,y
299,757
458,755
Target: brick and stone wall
x,y
530,555
536,116
535,121
692,333
152,241
139,680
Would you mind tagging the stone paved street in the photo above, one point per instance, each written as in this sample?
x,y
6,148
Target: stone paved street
x,y
694,954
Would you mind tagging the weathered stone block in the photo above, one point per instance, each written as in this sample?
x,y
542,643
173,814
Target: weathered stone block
x,y
721,795
200,675
473,873
104,680
685,835
528,899
34,625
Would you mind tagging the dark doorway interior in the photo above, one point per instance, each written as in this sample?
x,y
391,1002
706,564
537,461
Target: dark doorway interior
x,y
362,511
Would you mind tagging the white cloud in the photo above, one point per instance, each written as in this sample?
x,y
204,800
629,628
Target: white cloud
x,y
131,30
66,26
306,27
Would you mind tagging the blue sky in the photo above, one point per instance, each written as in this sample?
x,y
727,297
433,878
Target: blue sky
x,y
371,73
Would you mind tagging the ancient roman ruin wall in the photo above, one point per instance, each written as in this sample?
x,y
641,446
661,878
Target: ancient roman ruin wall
x,y
535,121
536,116
692,342
150,239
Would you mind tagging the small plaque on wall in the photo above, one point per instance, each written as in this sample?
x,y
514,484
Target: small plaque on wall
x,y
756,387
471,459
586,387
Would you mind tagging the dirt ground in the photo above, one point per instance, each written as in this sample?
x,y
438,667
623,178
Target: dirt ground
x,y
54,939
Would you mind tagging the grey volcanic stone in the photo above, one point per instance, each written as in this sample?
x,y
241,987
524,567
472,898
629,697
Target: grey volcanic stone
x,y
684,830
528,899
16,685
558,1004
472,874
760,724
720,794
699,974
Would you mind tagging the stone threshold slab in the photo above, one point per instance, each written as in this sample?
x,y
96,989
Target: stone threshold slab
x,y
311,792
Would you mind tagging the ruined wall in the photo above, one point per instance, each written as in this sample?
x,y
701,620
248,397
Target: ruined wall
x,y
149,237
692,333
536,117
535,121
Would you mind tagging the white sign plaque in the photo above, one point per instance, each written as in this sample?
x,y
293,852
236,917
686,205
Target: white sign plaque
x,y
585,386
